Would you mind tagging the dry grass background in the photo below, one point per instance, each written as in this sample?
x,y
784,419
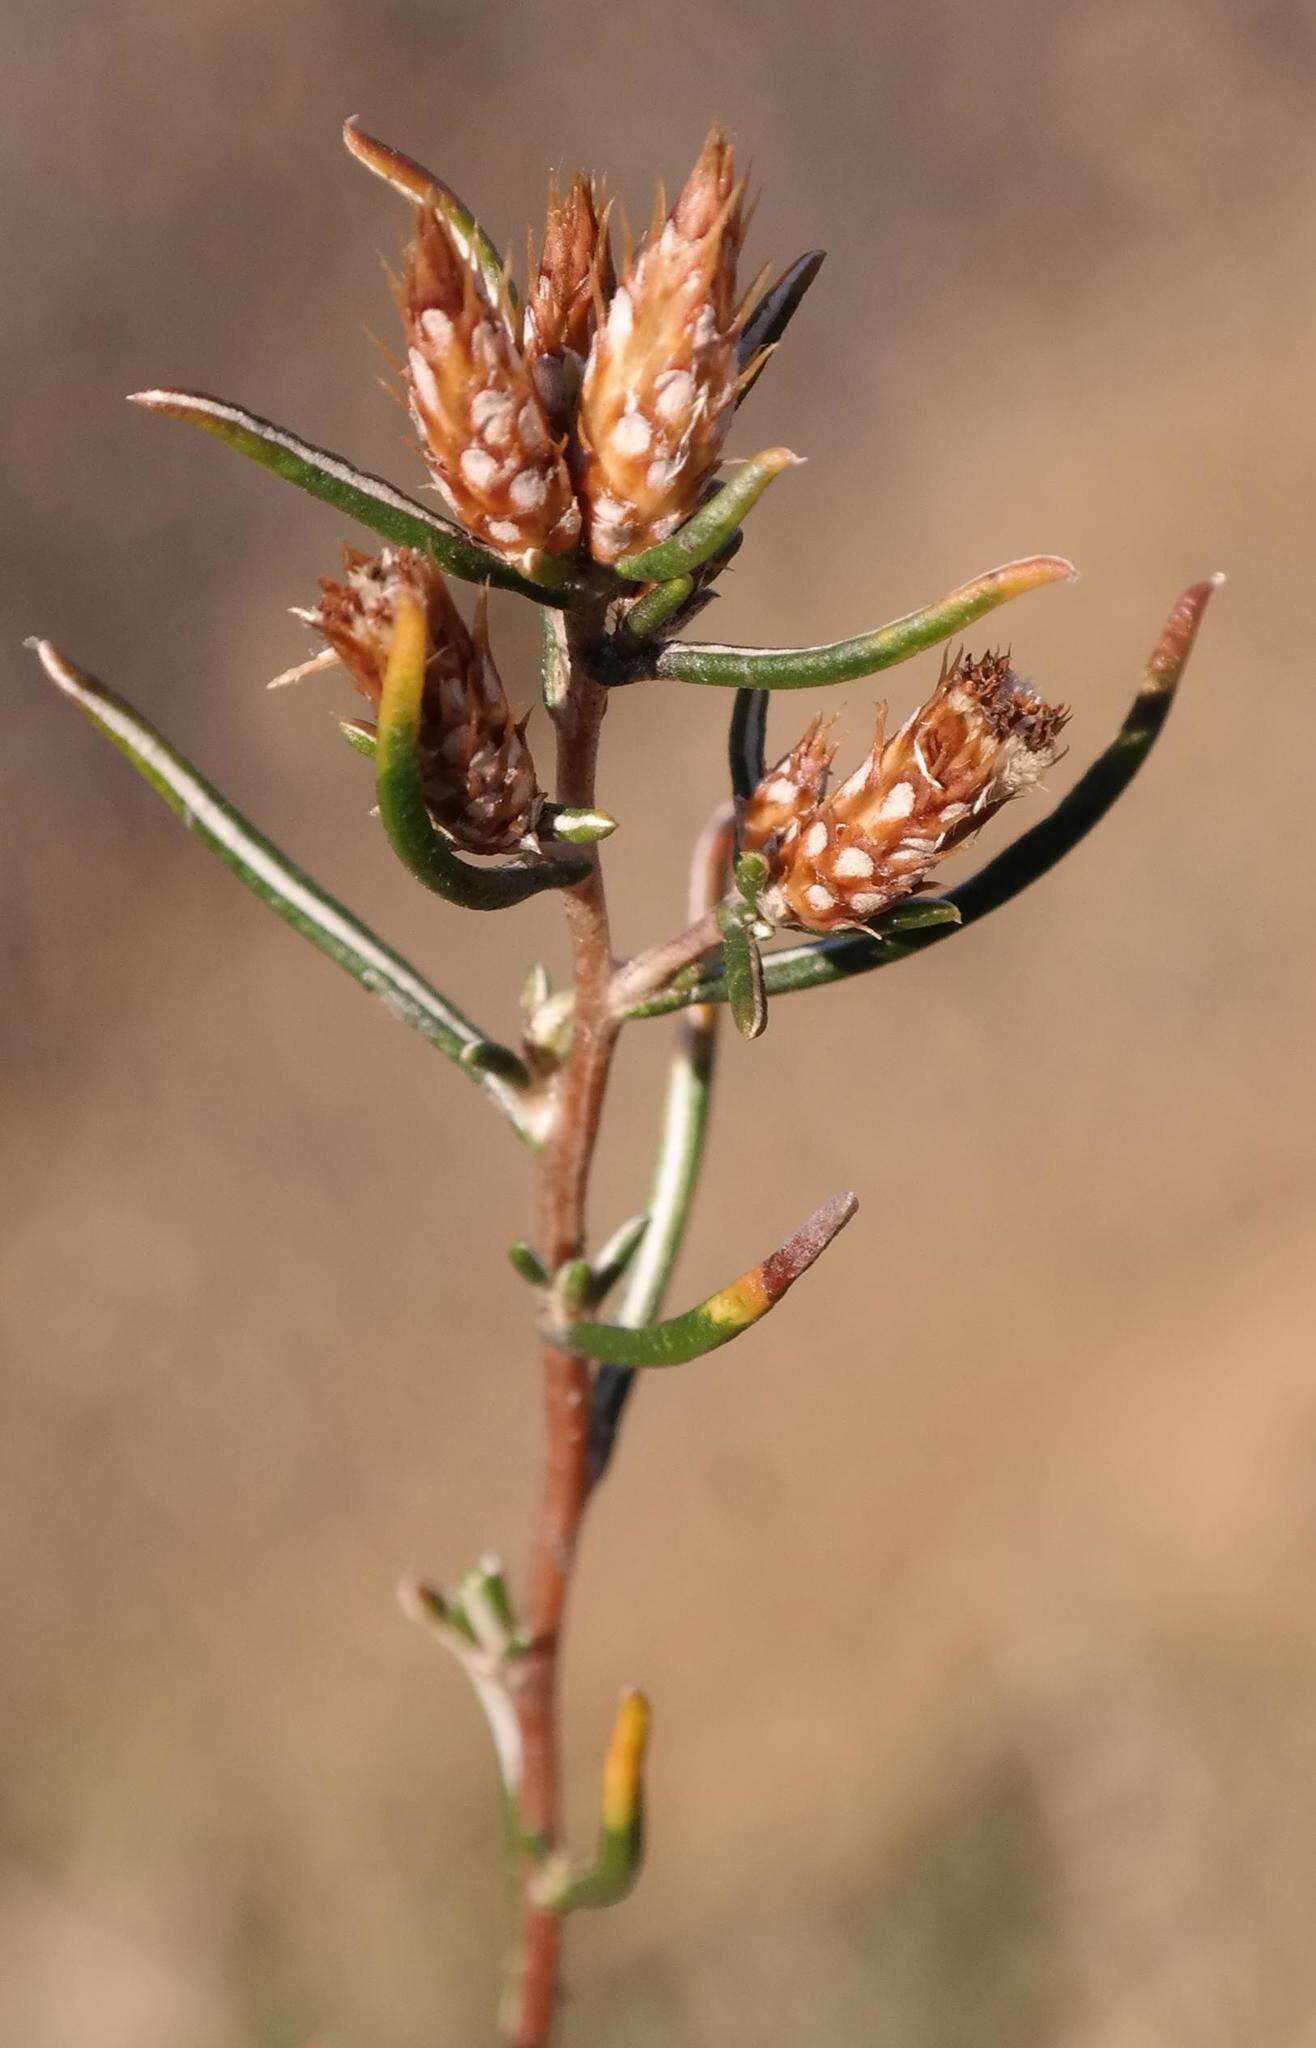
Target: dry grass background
x,y
975,1592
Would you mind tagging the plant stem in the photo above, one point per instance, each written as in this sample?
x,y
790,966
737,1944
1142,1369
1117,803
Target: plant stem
x,y
572,1466
563,1187
657,965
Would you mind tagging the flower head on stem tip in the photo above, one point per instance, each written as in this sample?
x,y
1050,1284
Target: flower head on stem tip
x,y
483,427
838,859
660,385
477,770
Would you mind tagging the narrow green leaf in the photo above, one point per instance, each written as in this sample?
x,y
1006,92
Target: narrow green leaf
x,y
422,188
918,914
778,306
572,1284
743,967
709,529
419,845
725,1314
484,1598
360,735
646,617
842,661
271,876
746,742
911,928
616,1867
435,1610
681,1148
483,1647
487,1056
363,497
613,1259
527,1262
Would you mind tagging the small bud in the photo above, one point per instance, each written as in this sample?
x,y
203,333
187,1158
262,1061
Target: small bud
x,y
573,279
484,430
839,861
660,384
479,777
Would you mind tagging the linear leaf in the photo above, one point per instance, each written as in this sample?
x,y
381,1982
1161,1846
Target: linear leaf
x,y
778,306
708,530
684,1137
724,1315
643,619
746,742
360,495
843,661
414,182
278,882
616,1867
428,853
743,967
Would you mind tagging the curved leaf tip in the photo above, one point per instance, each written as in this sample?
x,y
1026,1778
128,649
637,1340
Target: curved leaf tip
x,y
723,1315
1175,643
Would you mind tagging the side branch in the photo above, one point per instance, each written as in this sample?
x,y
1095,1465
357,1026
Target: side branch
x,y
1030,857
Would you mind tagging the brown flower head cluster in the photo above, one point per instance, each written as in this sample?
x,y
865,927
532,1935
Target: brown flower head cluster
x,y
477,771
660,384
838,860
482,424
571,280
597,416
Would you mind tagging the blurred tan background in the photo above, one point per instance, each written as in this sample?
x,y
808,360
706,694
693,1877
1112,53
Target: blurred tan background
x,y
975,1592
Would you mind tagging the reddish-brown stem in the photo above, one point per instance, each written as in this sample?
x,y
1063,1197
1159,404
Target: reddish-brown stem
x,y
656,966
563,1187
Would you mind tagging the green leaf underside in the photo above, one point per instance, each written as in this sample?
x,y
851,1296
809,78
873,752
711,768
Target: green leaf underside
x,y
898,935
709,529
426,852
743,967
724,1315
363,497
613,1875
423,188
652,611
277,881
841,661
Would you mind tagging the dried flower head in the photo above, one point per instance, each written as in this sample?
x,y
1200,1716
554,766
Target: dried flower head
x,y
834,861
486,436
479,777
790,790
660,383
572,280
